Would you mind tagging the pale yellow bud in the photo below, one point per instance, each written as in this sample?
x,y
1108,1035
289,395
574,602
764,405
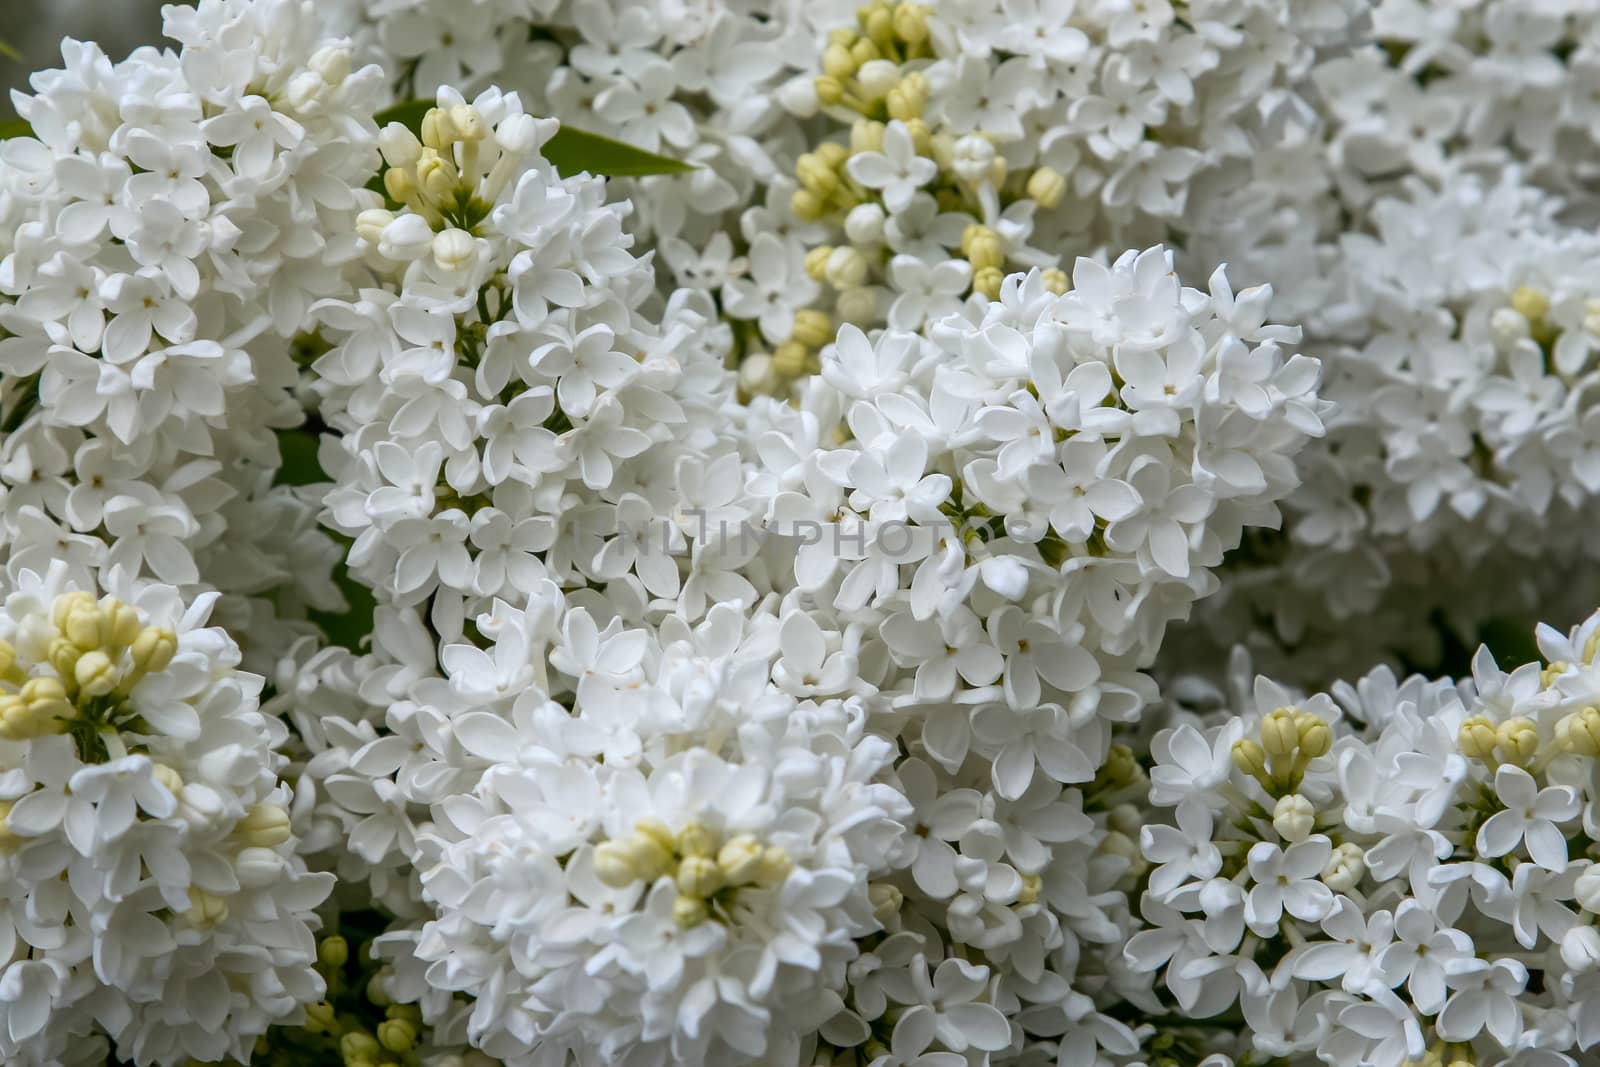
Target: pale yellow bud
x,y
400,185
877,79
1046,186
816,175
812,328
119,623
1055,280
866,136
817,262
153,650
170,779
985,250
696,839
437,129
613,864
658,832
699,876
95,674
206,909
1279,734
333,951
1530,303
911,23
886,901
774,867
739,859
1315,738
1548,675
17,723
909,98
858,306
67,603
8,658
1477,738
1580,732
370,223
357,1045
807,206
435,176
1032,884
830,90
837,62
1250,758
1125,819
987,281
455,250
974,232
864,51
1345,868
689,912
1518,739
468,123
263,826
63,656
1294,818
320,1017
846,268
82,626
790,360
397,1035
921,137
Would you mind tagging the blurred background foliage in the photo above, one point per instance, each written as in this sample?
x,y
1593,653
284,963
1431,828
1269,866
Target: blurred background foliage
x,y
32,32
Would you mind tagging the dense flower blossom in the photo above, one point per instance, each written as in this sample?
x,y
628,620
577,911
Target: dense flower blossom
x,y
462,609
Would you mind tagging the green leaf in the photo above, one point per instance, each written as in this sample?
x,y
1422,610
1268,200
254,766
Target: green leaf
x,y
571,151
9,51
350,627
10,128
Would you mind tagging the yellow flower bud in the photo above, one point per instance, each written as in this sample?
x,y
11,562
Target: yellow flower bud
x,y
153,650
911,22
657,831
17,723
1046,186
908,99
986,282
63,656
689,912
817,262
169,778
1477,738
613,864
95,674
436,129
886,901
435,176
1279,734
921,137
790,359
119,623
830,90
1250,758
205,909
699,876
812,328
837,62
846,268
397,1035
1032,884
357,1045
816,175
974,232
864,51
263,826
1315,738
1055,280
82,626
67,603
333,951
8,658
400,185
696,839
1580,732
468,123
1294,818
832,153
371,223
320,1017
739,859
1529,303
1518,739
866,136
986,251
807,206
774,867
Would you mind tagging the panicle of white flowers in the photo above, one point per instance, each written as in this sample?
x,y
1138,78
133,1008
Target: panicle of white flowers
x,y
167,226
1400,870
152,892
